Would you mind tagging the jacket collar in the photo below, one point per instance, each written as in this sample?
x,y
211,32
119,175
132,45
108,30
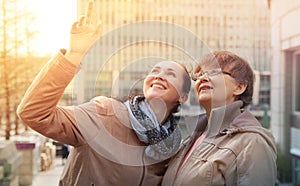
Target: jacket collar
x,y
222,117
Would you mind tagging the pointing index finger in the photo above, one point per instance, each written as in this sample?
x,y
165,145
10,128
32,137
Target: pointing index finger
x,y
89,11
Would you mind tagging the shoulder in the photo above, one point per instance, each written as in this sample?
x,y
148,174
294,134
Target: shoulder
x,y
251,140
107,105
102,100
245,119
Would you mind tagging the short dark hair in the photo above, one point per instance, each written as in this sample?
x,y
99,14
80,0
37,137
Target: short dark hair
x,y
238,67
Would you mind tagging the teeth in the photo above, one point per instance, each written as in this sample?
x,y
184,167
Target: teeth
x,y
206,88
158,86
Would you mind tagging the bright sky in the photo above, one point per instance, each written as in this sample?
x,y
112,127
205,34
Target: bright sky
x,y
54,20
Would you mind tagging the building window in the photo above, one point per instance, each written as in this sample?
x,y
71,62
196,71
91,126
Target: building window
x,y
264,93
296,174
296,86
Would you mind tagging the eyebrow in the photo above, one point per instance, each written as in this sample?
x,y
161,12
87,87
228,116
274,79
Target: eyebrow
x,y
168,69
156,67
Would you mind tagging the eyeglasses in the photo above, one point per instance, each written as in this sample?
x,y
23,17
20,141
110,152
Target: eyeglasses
x,y
209,73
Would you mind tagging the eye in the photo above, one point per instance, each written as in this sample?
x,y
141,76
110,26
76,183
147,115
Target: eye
x,y
171,74
200,74
154,71
196,76
213,72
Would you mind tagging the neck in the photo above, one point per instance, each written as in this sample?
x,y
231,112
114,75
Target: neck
x,y
211,107
207,115
160,109
207,110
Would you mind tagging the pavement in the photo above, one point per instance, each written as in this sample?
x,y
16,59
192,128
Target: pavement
x,y
51,176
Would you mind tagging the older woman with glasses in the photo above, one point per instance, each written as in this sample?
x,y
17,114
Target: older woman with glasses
x,y
229,146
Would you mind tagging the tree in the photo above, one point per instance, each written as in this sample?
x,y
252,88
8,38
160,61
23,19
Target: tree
x,y
16,60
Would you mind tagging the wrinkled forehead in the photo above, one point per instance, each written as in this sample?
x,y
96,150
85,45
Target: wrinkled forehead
x,y
207,65
224,60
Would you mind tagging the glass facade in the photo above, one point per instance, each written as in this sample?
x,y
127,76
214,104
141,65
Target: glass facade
x,y
183,31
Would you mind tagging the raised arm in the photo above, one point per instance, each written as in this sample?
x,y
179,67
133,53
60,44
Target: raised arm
x,y
38,108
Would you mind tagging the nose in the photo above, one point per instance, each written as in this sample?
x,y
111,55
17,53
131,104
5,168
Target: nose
x,y
159,76
201,79
204,77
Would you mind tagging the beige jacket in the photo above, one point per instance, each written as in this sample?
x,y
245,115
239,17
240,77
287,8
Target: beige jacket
x,y
235,151
106,150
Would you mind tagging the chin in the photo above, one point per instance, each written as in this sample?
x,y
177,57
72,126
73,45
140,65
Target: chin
x,y
204,99
154,96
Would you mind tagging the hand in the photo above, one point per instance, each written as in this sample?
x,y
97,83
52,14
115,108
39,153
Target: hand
x,y
84,33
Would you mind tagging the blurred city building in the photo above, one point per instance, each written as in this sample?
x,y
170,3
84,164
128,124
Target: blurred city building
x,y
135,34
285,85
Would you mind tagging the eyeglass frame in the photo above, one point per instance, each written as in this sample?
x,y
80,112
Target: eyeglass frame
x,y
209,73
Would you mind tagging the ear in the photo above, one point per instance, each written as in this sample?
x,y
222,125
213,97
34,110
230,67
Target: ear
x,y
183,97
240,88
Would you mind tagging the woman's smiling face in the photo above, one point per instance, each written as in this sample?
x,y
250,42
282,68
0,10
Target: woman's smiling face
x,y
165,81
221,78
214,87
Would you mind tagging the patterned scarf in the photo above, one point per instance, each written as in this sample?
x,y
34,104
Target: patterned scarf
x,y
163,140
